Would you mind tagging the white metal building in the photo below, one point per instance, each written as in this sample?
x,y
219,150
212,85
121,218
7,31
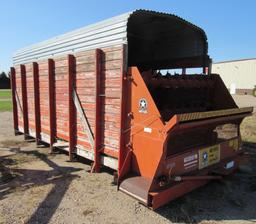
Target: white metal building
x,y
238,75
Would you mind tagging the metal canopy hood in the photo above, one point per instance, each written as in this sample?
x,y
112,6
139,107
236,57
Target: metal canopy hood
x,y
155,40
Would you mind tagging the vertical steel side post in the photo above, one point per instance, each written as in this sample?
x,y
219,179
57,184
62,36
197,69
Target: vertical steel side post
x,y
24,100
71,106
52,116
14,102
36,102
121,155
98,105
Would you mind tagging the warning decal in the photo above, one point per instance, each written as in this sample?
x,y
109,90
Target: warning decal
x,y
190,161
209,156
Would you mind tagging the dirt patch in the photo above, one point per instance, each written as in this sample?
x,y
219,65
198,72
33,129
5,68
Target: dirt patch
x,y
13,144
36,187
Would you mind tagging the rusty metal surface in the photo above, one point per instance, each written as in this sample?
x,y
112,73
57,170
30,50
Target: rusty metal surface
x,y
160,198
136,187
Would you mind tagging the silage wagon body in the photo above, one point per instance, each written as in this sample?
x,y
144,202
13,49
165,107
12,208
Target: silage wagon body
x,y
101,92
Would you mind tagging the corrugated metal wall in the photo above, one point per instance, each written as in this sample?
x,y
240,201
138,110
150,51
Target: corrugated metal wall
x,y
109,32
241,73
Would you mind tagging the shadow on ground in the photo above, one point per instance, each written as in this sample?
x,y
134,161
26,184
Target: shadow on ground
x,y
60,177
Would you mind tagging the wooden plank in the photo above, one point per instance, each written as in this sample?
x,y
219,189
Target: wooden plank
x,y
18,102
62,96
24,100
30,99
14,101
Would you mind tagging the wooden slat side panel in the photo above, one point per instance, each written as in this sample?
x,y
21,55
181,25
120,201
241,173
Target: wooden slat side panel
x,y
14,102
61,97
110,92
30,97
85,88
44,96
85,84
19,99
111,100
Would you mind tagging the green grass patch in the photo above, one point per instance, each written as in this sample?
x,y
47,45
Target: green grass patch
x,y
5,94
5,105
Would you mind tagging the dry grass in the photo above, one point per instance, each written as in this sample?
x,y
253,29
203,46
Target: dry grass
x,y
248,129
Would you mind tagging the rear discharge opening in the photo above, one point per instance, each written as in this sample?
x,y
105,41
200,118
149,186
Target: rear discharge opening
x,y
176,94
179,93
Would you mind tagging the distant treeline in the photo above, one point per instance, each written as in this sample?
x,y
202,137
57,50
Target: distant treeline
x,y
4,81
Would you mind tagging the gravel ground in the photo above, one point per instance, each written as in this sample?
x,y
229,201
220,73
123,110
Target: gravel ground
x,y
36,187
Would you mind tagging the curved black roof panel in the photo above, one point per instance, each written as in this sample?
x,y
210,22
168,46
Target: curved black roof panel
x,y
161,40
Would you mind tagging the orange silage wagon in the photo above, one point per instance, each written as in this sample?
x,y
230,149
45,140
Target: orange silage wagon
x,y
107,92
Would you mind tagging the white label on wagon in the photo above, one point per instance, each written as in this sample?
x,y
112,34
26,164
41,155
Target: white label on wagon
x,y
190,161
148,130
230,165
190,158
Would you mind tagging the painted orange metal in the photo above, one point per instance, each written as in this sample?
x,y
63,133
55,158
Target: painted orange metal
x,y
147,147
160,198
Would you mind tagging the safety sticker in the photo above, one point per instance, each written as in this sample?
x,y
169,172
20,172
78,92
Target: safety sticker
x,y
209,156
190,161
148,130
